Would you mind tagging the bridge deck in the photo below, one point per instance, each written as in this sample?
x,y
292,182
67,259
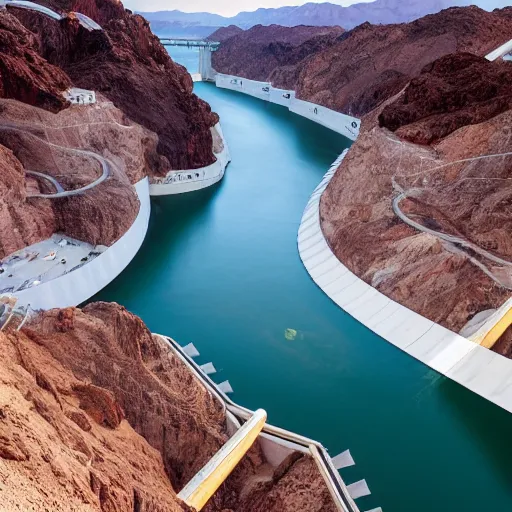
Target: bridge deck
x,y
191,43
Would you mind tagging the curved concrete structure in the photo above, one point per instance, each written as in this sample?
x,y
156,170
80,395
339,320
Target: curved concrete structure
x,y
476,368
341,123
84,20
32,6
180,182
79,285
505,50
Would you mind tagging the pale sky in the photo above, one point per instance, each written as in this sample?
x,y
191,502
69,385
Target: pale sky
x,y
233,7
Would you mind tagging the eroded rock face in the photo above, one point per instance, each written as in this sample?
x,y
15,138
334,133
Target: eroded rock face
x,y
54,455
159,397
356,71
454,91
447,192
46,142
127,63
371,63
24,75
294,486
22,222
93,405
257,52
224,33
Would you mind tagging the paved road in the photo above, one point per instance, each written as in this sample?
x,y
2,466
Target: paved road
x,y
51,179
105,166
454,240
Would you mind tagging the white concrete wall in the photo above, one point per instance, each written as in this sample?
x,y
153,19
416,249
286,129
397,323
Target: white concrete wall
x,y
345,125
281,96
501,51
478,369
205,64
81,284
254,88
179,182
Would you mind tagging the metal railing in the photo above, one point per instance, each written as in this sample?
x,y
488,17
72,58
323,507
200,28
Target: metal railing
x,y
213,46
337,488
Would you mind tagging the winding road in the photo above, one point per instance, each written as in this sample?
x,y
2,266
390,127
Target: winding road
x,y
454,240
105,166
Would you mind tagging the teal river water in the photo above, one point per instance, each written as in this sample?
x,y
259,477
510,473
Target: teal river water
x,y
220,268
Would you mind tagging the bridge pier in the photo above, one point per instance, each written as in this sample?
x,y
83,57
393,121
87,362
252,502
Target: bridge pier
x,y
205,47
205,64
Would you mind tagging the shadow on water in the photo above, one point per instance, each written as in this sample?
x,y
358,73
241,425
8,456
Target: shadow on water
x,y
490,427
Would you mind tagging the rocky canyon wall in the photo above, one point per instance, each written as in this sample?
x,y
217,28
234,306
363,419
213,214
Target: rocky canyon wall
x,y
97,414
445,144
257,52
356,71
127,63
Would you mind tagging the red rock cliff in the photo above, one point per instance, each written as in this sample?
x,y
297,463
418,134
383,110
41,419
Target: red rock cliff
x,y
24,75
454,91
459,110
371,63
98,414
127,63
257,52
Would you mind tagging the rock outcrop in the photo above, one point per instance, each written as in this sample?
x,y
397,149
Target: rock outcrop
x,y
224,33
257,52
45,142
24,74
21,222
372,63
127,64
454,91
64,444
459,109
97,414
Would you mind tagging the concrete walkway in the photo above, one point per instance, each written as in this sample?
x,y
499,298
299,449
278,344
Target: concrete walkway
x,y
476,368
505,283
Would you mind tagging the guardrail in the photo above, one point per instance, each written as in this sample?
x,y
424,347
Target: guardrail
x,y
213,46
337,488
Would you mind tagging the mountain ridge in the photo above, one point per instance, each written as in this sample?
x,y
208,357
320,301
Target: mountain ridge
x,y
316,14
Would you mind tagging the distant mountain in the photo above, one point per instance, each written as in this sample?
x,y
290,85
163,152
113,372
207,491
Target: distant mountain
x,y
224,33
378,12
256,52
180,30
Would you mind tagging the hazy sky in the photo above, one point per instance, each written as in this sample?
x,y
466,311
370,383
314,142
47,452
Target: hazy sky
x,y
224,7
232,7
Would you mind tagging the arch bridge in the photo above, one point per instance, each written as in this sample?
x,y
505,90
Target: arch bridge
x,y
206,48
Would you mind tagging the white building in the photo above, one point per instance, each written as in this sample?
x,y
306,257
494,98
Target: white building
x,y
80,96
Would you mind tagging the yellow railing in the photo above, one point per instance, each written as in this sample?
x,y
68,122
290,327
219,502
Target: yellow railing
x,y
208,479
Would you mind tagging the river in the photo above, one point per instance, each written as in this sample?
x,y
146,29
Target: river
x,y
220,268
